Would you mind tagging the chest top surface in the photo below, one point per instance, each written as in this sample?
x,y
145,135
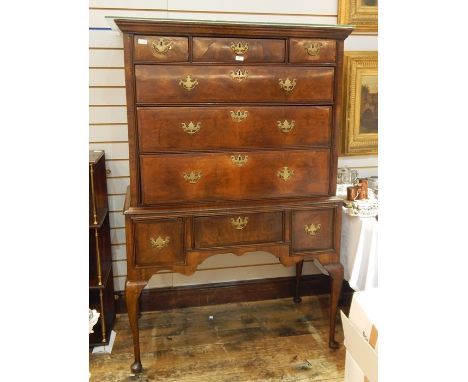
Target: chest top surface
x,y
137,25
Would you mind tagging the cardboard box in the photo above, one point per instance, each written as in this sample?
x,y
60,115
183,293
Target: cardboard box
x,y
353,372
361,338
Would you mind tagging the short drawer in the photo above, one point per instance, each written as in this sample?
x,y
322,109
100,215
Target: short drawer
x,y
238,50
233,175
220,231
312,230
160,48
313,50
159,242
235,126
228,83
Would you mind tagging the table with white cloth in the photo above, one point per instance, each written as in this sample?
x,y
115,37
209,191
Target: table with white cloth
x,y
359,251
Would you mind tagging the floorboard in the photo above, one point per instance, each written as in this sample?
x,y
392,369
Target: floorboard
x,y
273,340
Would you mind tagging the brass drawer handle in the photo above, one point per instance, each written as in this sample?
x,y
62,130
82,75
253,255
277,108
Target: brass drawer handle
x,y
239,75
238,116
285,173
159,243
313,48
191,128
161,47
193,176
286,126
287,85
239,160
240,47
240,223
312,229
188,83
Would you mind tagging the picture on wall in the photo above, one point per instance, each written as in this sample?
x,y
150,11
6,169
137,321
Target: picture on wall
x,y
363,14
360,104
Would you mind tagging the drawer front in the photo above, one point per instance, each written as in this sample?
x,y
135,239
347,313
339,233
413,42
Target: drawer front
x,y
238,50
312,230
236,229
233,175
176,83
316,50
160,48
159,242
237,126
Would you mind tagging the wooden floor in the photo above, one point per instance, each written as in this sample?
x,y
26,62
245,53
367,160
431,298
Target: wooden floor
x,y
274,340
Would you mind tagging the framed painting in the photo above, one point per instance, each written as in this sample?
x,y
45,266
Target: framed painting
x,y
360,104
363,14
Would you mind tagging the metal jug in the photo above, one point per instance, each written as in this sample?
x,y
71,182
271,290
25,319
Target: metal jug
x,y
347,176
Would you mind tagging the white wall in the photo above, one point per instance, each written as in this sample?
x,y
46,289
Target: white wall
x,y
108,116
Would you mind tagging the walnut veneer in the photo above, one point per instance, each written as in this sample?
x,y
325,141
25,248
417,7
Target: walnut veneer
x,y
233,132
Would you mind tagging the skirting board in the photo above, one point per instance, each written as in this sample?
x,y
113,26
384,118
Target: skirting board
x,y
222,293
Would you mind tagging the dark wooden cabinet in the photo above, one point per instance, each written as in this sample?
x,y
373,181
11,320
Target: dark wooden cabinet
x,y
233,133
101,284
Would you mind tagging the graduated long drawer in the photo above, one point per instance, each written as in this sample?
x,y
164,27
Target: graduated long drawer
x,y
237,126
183,83
168,178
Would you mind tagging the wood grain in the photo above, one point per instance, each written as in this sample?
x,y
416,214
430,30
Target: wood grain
x,y
161,128
144,52
220,230
274,340
209,49
222,180
216,85
298,50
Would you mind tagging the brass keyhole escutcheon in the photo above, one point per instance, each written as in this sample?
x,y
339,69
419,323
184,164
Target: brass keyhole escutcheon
x,y
238,116
192,176
240,223
240,47
312,229
239,160
161,47
239,75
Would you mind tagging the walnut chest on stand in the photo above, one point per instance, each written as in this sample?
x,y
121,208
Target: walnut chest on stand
x,y
233,135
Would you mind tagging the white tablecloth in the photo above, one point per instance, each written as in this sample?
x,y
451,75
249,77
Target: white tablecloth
x,y
359,251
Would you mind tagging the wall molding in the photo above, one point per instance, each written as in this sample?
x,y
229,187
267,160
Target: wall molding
x,y
228,292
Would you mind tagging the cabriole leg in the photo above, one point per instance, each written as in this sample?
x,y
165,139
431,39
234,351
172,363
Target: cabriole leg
x,y
297,297
132,293
336,275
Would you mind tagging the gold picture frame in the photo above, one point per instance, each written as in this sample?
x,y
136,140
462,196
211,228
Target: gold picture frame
x,y
360,104
363,14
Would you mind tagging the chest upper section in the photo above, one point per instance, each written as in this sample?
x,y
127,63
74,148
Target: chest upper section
x,y
191,62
